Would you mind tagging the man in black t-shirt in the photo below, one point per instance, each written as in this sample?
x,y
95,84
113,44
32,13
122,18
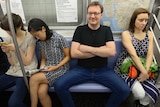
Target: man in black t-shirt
x,y
92,44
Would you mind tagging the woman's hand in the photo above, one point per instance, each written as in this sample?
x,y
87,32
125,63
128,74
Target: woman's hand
x,y
143,76
11,47
50,68
7,48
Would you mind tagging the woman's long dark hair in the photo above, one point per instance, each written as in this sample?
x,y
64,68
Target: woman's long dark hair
x,y
36,24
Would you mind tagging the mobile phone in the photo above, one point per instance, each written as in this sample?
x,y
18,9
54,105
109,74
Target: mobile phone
x,y
3,43
43,68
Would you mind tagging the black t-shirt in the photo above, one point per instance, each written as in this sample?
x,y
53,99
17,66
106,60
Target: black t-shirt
x,y
84,35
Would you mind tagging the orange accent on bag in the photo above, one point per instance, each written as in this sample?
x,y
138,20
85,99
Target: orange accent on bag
x,y
151,74
132,72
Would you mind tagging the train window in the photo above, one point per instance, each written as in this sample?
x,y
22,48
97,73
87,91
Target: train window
x,y
47,10
59,13
66,14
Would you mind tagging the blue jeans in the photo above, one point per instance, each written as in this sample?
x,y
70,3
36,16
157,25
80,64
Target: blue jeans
x,y
104,76
18,96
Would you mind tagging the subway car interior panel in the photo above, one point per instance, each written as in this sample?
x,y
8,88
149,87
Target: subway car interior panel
x,y
63,17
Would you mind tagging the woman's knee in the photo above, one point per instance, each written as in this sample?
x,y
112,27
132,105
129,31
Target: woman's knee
x,y
32,79
36,78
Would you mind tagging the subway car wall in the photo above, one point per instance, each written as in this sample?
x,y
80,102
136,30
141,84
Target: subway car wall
x,y
65,16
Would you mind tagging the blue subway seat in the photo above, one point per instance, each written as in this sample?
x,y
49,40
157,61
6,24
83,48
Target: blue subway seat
x,y
89,86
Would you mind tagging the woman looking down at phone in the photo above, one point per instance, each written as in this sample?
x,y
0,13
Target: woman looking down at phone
x,y
14,76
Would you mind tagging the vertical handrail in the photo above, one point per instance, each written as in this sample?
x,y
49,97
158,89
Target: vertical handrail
x,y
154,37
158,25
155,18
10,20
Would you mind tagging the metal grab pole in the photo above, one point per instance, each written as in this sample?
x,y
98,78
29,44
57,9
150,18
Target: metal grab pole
x,y
10,20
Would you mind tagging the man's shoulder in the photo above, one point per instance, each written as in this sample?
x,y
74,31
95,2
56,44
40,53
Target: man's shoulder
x,y
82,26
